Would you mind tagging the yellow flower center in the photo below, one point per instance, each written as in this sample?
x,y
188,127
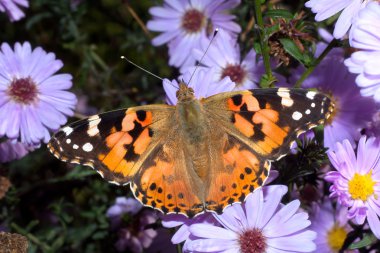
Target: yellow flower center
x,y
361,186
335,237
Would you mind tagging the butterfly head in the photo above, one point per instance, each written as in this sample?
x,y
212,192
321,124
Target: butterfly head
x,y
184,92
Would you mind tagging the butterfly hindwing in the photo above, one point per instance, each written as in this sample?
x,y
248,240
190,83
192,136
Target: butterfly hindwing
x,y
238,172
269,120
165,181
113,143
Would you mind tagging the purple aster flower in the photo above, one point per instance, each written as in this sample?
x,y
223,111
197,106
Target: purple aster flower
x,y
184,23
352,111
356,183
364,35
224,55
122,206
30,91
328,8
331,227
137,237
262,224
202,82
12,150
11,7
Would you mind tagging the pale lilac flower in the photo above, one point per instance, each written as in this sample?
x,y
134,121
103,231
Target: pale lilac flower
x,y
137,237
123,206
12,150
352,111
364,35
331,226
224,56
33,100
184,23
328,8
202,82
356,183
12,8
262,224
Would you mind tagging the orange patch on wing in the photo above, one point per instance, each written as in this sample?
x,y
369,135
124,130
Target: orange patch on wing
x,y
117,153
269,128
112,139
243,125
142,142
252,103
125,168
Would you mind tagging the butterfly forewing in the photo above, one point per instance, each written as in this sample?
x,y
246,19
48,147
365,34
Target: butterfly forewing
x,y
269,120
112,143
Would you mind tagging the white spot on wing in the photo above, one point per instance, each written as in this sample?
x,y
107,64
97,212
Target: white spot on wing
x,y
93,125
285,97
68,141
296,115
307,111
311,94
313,105
87,147
75,146
67,130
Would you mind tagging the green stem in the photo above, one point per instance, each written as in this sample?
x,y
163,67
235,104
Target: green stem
x,y
30,237
263,41
179,248
310,69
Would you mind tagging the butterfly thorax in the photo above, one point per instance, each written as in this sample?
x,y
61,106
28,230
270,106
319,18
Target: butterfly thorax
x,y
193,129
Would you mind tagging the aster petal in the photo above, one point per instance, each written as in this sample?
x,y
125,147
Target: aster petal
x,y
165,13
181,235
162,25
212,245
183,50
345,19
301,242
212,232
178,5
47,67
165,37
271,204
374,223
254,208
233,218
56,82
326,8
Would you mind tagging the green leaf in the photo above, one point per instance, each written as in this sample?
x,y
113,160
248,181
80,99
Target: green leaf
x,y
292,49
279,13
367,240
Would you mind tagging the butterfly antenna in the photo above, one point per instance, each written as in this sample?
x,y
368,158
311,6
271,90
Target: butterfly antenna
x,y
204,54
137,66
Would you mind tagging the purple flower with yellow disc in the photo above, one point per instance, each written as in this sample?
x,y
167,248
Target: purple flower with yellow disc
x,y
356,181
33,99
184,23
331,226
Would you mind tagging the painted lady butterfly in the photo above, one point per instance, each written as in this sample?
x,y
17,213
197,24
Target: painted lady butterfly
x,y
200,155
